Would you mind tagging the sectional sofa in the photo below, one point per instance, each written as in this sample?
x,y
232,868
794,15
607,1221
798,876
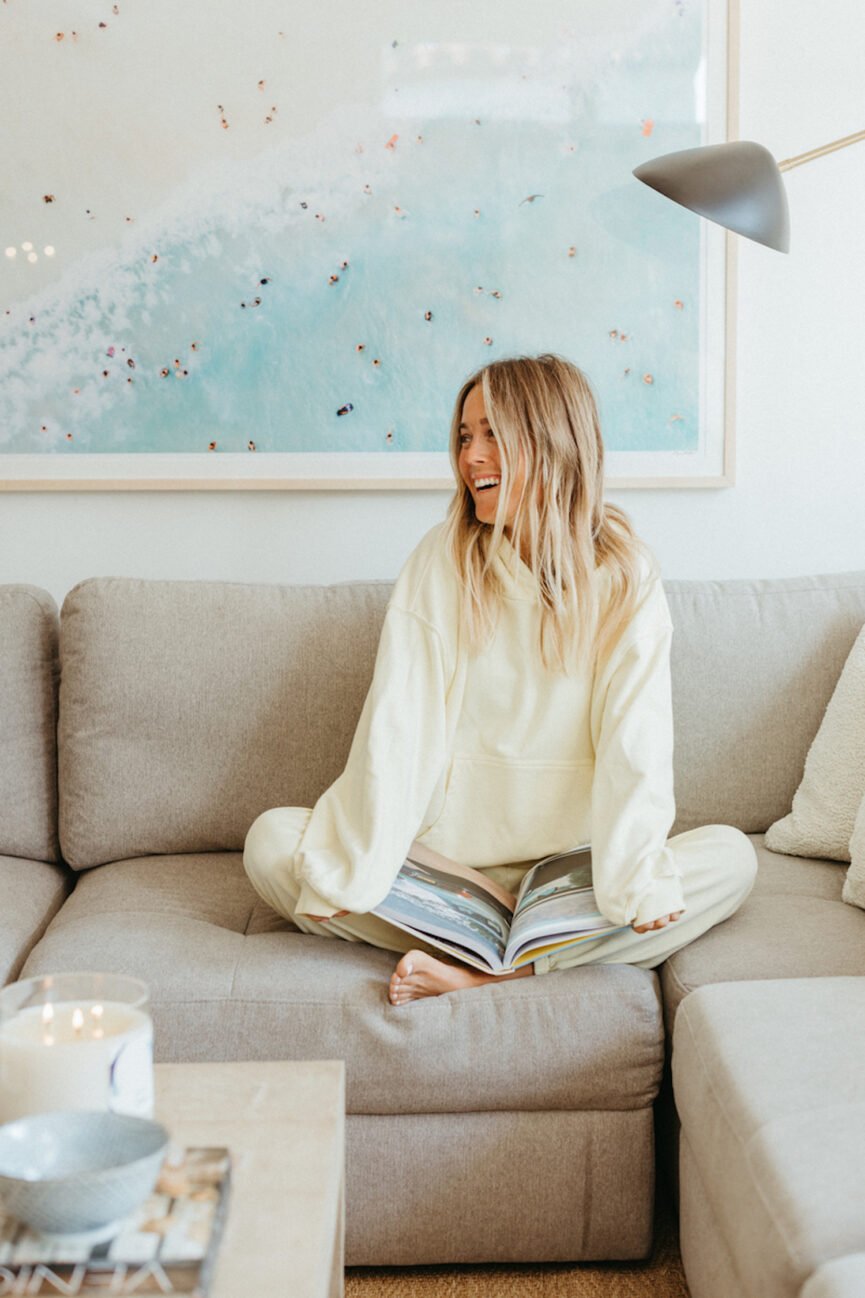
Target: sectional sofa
x,y
145,727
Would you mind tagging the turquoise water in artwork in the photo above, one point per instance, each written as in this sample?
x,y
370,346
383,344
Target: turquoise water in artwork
x,y
236,316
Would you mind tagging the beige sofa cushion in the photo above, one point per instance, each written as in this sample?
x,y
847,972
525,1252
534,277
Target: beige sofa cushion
x,y
31,893
774,1117
792,925
230,980
28,723
189,707
825,804
754,664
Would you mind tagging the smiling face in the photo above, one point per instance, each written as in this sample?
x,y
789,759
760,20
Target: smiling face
x,y
479,459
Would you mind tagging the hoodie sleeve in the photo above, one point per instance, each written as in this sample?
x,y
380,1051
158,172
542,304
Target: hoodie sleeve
x,y
361,828
633,808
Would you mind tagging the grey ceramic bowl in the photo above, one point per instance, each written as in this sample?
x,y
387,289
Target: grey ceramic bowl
x,y
63,1173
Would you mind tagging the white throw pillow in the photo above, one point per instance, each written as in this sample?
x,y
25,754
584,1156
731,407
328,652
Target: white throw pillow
x,y
854,884
833,783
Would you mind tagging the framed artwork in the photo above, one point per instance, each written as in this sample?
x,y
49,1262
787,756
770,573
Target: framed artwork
x,y
240,253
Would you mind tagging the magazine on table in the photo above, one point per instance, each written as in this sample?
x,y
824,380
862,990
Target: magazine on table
x,y
461,911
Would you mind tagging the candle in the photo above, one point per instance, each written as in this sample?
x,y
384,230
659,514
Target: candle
x,y
76,1054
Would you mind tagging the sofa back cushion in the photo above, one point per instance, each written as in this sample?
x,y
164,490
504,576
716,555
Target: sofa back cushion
x,y
189,707
29,671
754,665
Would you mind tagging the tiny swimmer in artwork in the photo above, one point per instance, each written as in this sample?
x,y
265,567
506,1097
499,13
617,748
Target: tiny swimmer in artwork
x,y
520,704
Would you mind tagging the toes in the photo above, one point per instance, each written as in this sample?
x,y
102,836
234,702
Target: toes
x,y
408,990
402,987
400,990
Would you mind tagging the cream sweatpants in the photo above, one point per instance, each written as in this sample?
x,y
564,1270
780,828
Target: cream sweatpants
x,y
718,865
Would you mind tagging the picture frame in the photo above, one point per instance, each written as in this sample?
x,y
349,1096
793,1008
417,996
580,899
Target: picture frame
x,y
78,333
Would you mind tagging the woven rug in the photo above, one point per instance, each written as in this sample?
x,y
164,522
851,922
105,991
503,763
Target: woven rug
x,y
659,1277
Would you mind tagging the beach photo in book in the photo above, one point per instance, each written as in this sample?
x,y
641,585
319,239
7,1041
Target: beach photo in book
x,y
465,913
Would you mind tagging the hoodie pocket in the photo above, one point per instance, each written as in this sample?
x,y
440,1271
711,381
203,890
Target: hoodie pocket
x,y
498,810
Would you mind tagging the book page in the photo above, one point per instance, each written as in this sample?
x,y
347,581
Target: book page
x,y
423,855
556,901
465,911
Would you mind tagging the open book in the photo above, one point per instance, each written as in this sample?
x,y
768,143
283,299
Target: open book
x,y
468,915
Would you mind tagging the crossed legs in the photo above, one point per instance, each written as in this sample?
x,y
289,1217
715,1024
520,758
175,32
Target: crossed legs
x,y
718,866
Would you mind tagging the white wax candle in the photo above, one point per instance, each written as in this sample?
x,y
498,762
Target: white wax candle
x,y
86,1055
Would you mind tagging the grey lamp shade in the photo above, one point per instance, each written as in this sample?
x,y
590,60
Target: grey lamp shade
x,y
737,185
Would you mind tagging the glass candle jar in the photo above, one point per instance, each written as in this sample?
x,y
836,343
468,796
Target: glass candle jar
x,y
75,1041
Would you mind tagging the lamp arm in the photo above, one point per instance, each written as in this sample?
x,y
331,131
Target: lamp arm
x,y
789,163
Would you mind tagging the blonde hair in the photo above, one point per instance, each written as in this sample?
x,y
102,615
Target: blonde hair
x,y
543,409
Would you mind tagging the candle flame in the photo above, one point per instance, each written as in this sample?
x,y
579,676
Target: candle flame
x,y
97,1011
77,1020
47,1024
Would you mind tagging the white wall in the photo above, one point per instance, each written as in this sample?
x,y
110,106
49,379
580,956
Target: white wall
x,y
800,401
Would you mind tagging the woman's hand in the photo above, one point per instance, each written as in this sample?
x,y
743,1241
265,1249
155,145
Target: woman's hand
x,y
661,922
322,919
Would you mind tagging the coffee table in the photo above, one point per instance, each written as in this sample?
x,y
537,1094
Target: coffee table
x,y
284,1124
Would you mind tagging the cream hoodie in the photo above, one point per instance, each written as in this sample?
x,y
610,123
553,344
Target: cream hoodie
x,y
494,759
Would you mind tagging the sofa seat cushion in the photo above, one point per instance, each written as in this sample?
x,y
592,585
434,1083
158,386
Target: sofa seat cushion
x,y
229,979
769,1081
31,893
793,925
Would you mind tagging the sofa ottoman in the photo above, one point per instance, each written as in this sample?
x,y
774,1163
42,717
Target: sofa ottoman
x,y
769,1082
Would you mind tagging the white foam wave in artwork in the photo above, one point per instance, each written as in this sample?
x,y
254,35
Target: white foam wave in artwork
x,y
502,279
50,339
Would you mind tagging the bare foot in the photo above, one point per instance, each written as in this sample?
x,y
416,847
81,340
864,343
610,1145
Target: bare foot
x,y
419,974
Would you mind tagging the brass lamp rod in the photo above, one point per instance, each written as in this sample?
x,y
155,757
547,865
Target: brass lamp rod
x,y
789,163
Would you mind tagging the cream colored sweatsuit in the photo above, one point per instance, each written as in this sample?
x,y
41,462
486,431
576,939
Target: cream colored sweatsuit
x,y
496,762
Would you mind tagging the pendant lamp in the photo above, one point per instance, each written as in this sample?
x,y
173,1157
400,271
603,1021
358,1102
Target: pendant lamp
x,y
737,185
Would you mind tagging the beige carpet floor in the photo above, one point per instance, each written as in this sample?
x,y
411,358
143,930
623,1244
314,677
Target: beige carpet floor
x,y
661,1276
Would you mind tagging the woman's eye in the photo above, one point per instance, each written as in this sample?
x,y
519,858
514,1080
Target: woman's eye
x,y
464,437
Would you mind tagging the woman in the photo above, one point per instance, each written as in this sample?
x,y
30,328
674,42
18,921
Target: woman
x,y
520,705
